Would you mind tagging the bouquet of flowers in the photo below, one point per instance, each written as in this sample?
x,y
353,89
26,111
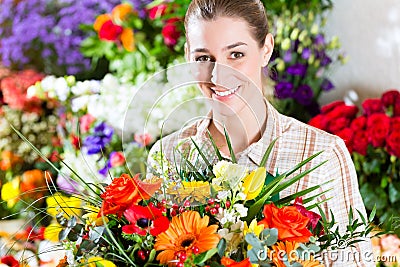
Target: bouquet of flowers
x,y
221,217
300,62
373,139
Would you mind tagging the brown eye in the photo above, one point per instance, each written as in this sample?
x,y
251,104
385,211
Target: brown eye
x,y
203,58
235,55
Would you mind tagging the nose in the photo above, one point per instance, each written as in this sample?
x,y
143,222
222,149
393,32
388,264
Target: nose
x,y
220,74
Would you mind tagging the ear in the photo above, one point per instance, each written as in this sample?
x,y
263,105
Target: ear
x,y
268,48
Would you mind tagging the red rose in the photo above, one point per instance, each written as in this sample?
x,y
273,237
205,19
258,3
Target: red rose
x,y
393,144
378,126
390,97
372,106
291,224
170,32
342,111
110,31
124,192
319,122
395,124
157,11
338,124
359,123
360,142
10,261
329,107
396,108
347,135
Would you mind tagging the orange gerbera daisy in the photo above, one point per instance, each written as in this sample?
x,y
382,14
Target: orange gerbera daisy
x,y
187,233
289,247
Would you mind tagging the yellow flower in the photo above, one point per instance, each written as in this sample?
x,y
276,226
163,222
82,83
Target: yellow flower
x,y
253,228
92,216
58,203
99,261
10,192
51,232
198,190
254,182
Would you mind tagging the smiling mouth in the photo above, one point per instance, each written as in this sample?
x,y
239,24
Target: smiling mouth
x,y
226,93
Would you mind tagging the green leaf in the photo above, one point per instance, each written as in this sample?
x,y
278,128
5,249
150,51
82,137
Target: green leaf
x,y
214,146
228,141
253,240
203,257
209,165
221,247
394,193
270,236
267,153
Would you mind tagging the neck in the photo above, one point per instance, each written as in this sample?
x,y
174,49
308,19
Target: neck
x,y
244,128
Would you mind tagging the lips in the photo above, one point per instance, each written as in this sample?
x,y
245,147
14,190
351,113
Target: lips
x,y
227,92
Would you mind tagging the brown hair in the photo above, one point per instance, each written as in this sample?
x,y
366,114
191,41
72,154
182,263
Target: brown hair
x,y
252,11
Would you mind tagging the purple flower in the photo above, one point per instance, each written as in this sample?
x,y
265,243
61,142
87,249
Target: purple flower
x,y
284,89
319,40
67,184
304,94
327,85
287,57
325,60
104,170
140,7
101,137
297,69
306,53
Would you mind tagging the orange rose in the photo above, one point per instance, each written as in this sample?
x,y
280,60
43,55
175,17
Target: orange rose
x,y
125,191
227,262
33,183
291,225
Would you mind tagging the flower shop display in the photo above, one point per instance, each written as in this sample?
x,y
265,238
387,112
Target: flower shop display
x,y
196,220
22,176
301,61
373,138
46,35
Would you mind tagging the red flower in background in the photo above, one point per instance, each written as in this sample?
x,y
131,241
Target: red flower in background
x,y
117,159
85,122
10,261
359,123
360,142
227,262
389,98
347,135
329,107
170,32
338,124
157,11
371,106
319,121
110,31
393,143
378,126
14,88
395,124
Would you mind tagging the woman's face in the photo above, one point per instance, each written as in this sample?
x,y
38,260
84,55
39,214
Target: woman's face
x,y
232,61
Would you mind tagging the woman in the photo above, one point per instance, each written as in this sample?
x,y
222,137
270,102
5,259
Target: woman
x,y
231,42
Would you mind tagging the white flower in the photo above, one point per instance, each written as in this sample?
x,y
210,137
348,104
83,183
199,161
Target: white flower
x,y
224,194
241,209
61,88
27,257
227,172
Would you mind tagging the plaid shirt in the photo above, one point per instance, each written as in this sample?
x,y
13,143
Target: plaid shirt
x,y
297,141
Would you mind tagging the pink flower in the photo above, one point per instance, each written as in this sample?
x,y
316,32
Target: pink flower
x,y
390,241
314,217
117,159
157,11
170,32
85,122
143,139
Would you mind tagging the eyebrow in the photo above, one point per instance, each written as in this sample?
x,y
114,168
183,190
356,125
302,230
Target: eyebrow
x,y
225,48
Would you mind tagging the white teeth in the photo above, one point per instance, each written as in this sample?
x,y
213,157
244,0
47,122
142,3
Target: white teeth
x,y
226,93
